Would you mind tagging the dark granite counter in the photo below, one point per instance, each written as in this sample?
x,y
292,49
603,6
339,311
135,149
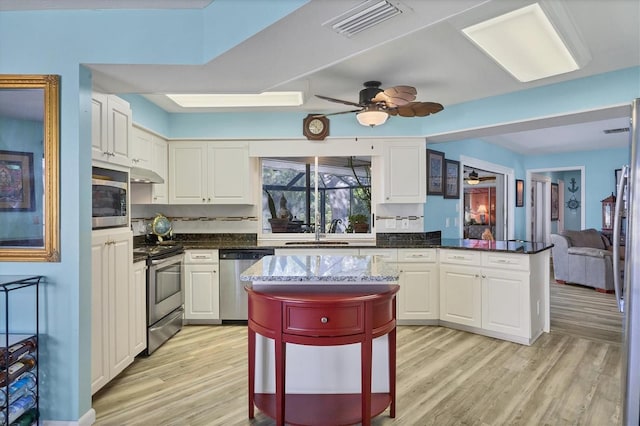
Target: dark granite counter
x,y
383,240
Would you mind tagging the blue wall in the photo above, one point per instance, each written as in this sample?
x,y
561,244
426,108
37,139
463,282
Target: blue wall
x,y
74,38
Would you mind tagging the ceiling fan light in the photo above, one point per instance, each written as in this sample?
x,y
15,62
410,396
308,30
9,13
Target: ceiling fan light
x,y
473,178
372,117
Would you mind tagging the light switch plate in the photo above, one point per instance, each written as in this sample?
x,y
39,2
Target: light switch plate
x,y
446,223
405,223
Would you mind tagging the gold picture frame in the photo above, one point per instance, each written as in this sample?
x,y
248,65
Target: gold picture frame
x,y
29,109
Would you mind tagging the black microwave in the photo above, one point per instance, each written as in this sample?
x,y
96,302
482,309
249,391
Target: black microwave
x,y
109,197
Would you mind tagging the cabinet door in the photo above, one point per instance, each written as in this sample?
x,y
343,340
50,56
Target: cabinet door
x,y
419,287
229,174
119,130
505,302
120,263
159,158
187,173
99,313
202,292
99,150
138,309
405,172
141,148
460,295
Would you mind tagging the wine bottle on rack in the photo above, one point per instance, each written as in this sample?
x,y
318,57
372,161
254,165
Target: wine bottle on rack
x,y
27,419
20,387
17,350
25,363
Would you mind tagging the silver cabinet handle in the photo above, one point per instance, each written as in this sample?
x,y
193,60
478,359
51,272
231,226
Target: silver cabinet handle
x,y
324,320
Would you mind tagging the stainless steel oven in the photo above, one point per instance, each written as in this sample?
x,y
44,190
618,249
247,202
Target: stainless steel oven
x,y
165,296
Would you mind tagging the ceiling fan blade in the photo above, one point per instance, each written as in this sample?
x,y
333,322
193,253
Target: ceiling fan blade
x,y
396,96
416,109
336,113
337,100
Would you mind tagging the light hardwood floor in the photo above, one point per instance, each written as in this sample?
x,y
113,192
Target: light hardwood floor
x,y
445,377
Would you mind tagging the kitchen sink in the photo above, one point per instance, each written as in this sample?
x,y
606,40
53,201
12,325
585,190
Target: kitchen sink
x,y
316,243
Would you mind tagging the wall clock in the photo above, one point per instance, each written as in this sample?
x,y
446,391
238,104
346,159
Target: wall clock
x,y
315,128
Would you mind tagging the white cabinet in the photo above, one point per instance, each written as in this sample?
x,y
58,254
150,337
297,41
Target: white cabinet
x,y
209,173
505,294
491,291
159,164
141,144
418,298
111,129
112,259
138,309
202,287
404,172
460,295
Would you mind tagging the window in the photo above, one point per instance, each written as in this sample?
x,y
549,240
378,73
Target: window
x,y
310,190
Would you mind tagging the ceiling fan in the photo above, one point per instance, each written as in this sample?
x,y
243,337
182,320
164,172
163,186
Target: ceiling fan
x,y
376,105
473,178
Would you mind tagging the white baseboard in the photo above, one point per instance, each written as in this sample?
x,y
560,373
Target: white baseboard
x,y
87,419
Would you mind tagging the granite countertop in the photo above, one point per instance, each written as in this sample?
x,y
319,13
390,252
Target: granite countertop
x,y
415,240
321,269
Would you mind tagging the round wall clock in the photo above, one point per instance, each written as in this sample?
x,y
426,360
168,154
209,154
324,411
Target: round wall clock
x,y
315,128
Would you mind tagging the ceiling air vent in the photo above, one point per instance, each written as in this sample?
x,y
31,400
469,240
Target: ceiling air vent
x,y
362,17
618,130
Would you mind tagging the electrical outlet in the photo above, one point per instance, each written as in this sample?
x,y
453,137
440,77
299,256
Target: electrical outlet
x,y
390,223
405,223
447,223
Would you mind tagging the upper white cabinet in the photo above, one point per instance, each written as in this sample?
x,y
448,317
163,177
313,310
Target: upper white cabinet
x,y
209,173
111,129
160,165
141,144
405,172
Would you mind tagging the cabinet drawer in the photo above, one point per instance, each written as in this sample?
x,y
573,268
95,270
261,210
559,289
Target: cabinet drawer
x,y
460,257
413,255
201,256
506,261
329,320
388,255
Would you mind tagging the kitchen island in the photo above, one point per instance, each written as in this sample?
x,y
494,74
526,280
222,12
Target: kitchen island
x,y
312,321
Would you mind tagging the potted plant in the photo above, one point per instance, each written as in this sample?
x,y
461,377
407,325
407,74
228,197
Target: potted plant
x,y
358,223
278,224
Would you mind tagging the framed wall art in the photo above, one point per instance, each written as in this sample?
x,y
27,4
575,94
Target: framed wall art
x,y
452,179
555,202
435,172
17,191
519,193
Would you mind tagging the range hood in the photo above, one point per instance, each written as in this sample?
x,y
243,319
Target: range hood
x,y
140,175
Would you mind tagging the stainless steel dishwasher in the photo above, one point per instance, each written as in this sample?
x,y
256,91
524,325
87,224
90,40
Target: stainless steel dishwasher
x,y
233,298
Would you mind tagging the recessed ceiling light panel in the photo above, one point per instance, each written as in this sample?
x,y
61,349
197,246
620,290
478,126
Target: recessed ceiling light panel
x,y
525,43
241,100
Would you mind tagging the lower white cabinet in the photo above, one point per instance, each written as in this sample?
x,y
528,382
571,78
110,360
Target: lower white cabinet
x,y
419,285
111,259
460,295
505,302
202,287
138,308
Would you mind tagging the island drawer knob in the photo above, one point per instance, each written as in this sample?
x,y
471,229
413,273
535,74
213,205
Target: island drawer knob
x,y
324,320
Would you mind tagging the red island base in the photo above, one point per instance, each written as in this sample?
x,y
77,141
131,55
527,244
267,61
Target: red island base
x,y
318,316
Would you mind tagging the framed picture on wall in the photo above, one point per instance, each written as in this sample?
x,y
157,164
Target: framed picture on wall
x,y
435,172
17,191
451,179
555,202
519,193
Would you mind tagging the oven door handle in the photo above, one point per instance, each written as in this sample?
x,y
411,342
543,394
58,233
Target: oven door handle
x,y
161,263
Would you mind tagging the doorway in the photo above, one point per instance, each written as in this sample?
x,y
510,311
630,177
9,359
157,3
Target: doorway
x,y
486,202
